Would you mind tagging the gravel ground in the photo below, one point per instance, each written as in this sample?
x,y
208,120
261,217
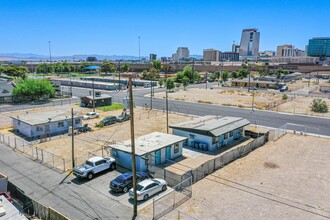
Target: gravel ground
x,y
287,179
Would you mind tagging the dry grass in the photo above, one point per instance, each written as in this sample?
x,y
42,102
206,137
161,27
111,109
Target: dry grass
x,y
241,99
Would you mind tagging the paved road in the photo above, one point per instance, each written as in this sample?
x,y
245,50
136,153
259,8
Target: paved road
x,y
266,118
77,200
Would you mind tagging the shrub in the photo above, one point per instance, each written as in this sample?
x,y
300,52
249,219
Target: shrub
x,y
99,125
285,97
318,105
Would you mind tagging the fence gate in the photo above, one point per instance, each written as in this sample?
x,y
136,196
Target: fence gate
x,y
165,204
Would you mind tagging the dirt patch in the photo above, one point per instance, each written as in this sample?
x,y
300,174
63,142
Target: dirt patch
x,y
241,99
245,189
271,165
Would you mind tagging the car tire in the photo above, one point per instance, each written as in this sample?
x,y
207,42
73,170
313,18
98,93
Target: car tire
x,y
125,189
145,197
164,188
90,176
113,166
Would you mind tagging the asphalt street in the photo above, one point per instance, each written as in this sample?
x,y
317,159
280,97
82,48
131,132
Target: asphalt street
x,y
75,199
317,125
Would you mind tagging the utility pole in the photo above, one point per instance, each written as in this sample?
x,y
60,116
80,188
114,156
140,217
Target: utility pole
x,y
50,52
206,81
151,94
119,86
93,97
72,140
131,109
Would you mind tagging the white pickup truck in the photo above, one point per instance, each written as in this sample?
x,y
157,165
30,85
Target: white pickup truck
x,y
94,165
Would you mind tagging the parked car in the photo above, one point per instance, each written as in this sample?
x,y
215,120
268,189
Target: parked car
x,y
109,120
253,88
284,88
91,115
93,166
125,181
83,128
6,195
123,117
147,188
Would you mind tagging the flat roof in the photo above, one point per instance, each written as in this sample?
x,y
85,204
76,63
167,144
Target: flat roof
x,y
11,211
211,125
253,81
97,97
149,143
37,118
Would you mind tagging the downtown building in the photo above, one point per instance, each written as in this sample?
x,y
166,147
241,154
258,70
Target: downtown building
x,y
181,54
249,45
210,55
319,47
288,50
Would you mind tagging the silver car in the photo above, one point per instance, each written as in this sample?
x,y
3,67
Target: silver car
x,y
148,188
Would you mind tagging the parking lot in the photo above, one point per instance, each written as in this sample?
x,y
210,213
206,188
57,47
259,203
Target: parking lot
x,y
100,184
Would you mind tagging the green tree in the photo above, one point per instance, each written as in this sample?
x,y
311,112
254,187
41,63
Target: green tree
x,y
177,85
166,68
83,65
161,82
125,67
2,68
178,77
108,67
217,75
157,65
225,76
234,75
170,84
244,72
318,105
261,73
67,67
34,88
16,71
58,68
185,82
191,74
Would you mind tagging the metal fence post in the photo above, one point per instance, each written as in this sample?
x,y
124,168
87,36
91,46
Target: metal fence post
x,y
42,155
53,159
153,208
9,141
15,143
178,214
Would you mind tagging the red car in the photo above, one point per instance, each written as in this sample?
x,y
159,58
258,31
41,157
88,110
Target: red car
x,y
6,195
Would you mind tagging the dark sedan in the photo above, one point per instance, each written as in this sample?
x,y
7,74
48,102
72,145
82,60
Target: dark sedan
x,y
125,181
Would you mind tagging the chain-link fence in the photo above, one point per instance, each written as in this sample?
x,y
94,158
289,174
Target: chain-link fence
x,y
27,148
24,105
167,203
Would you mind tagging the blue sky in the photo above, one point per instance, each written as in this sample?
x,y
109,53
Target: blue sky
x,y
112,27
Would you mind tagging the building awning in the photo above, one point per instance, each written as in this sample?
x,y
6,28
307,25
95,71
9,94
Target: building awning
x,y
92,68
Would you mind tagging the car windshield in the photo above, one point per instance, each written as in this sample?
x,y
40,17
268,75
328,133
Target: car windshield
x,y
89,163
88,114
139,187
120,179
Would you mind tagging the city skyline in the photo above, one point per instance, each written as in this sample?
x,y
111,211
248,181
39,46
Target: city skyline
x,y
113,28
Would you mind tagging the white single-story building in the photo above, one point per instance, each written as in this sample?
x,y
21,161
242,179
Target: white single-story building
x,y
44,124
210,132
150,150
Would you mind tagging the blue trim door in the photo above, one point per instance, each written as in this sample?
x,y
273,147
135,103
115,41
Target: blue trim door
x,y
168,153
157,157
220,140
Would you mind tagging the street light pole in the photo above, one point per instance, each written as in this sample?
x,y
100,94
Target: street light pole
x,y
93,97
72,140
50,52
139,50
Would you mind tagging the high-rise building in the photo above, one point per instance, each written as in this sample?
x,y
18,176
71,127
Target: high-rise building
x,y
288,50
249,42
235,48
210,55
319,47
181,53
153,57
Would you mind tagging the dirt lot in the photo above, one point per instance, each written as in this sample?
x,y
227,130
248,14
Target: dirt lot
x,y
224,97
300,105
287,179
145,122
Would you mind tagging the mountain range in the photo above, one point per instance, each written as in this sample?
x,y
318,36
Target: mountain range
x,y
31,56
